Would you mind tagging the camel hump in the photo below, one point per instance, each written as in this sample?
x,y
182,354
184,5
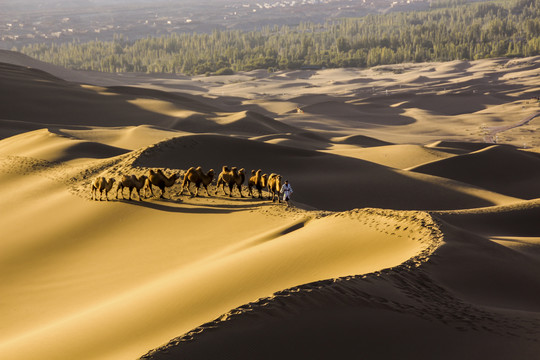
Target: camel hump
x,y
199,168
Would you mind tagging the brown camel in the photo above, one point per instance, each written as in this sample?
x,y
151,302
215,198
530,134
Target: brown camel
x,y
159,179
230,178
257,181
102,185
131,182
274,186
198,177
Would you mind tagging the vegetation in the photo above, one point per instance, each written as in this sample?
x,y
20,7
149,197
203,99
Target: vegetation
x,y
450,30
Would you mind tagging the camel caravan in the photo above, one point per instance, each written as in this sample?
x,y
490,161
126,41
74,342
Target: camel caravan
x,y
228,180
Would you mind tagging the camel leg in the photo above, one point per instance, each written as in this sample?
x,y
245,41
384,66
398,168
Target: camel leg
x,y
162,192
131,192
151,190
207,193
240,191
185,185
222,189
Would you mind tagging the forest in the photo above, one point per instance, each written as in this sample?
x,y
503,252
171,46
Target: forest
x,y
451,30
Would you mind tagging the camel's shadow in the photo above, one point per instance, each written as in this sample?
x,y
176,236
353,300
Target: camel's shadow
x,y
189,207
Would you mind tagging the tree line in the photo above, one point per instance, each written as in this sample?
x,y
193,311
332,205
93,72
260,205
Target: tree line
x,y
453,30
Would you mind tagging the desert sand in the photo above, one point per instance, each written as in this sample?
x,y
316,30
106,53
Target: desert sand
x,y
413,231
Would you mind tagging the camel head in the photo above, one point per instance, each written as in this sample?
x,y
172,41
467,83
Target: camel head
x,y
225,168
252,172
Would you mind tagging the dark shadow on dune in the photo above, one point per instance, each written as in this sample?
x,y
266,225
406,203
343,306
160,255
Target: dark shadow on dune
x,y
54,101
183,205
320,180
189,101
451,104
361,140
58,103
9,128
519,219
373,110
162,206
456,147
500,168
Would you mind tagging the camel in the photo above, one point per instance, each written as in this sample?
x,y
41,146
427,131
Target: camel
x,y
159,179
102,185
198,177
258,181
131,182
264,181
274,186
230,178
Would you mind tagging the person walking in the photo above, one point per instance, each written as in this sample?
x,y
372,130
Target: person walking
x,y
287,191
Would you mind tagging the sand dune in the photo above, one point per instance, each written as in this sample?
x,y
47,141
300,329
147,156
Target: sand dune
x,y
502,169
396,156
48,145
408,236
